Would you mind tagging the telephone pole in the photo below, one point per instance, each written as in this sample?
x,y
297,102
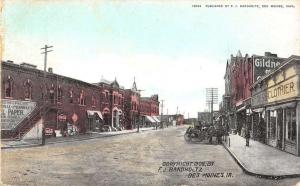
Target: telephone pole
x,y
212,98
161,114
45,51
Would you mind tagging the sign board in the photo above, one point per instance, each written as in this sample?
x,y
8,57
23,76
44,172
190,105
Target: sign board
x,y
263,64
283,90
14,112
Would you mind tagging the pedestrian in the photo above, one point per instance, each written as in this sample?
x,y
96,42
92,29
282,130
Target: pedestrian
x,y
247,136
210,133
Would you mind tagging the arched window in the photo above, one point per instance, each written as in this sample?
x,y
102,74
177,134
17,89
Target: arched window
x,y
28,89
93,101
81,98
8,86
71,95
51,93
59,94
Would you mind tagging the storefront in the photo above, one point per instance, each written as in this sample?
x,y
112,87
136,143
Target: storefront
x,y
281,106
94,120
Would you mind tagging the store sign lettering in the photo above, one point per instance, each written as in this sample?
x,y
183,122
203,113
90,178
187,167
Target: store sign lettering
x,y
14,112
268,63
283,90
262,65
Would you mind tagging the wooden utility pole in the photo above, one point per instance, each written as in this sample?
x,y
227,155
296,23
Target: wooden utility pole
x,y
161,114
45,91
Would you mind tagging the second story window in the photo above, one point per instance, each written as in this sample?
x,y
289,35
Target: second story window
x,y
93,101
8,86
28,89
59,94
71,95
51,94
81,98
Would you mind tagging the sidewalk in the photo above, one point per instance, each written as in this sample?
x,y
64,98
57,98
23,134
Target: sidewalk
x,y
87,136
262,160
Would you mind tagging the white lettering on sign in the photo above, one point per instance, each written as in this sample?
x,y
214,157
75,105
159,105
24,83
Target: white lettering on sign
x,y
268,63
14,112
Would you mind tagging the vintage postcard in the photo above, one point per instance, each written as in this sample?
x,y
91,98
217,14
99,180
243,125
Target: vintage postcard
x,y
197,92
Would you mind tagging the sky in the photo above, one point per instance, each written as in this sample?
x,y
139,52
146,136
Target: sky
x,y
172,49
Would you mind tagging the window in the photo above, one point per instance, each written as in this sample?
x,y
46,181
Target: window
x,y
71,95
28,89
106,96
81,98
59,94
8,86
93,101
291,124
51,94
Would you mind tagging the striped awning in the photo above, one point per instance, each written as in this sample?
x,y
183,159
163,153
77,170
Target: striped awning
x,y
149,118
155,118
93,112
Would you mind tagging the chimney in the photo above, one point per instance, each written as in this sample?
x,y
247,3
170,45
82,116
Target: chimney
x,y
269,54
50,70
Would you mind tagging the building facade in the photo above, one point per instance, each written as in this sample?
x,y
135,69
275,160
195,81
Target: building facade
x,y
32,97
29,95
241,73
276,100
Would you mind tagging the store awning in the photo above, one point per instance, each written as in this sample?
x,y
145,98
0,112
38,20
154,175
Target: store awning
x,y
258,110
241,109
150,119
93,112
155,118
289,105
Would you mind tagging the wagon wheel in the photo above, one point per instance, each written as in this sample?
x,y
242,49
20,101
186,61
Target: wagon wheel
x,y
187,137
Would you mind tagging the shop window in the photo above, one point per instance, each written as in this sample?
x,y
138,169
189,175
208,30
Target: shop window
x,y
291,124
59,94
28,89
81,98
8,86
71,95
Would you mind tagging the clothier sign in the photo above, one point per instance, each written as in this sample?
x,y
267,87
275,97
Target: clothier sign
x,y
283,90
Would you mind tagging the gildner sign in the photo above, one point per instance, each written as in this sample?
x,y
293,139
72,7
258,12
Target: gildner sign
x,y
14,112
266,62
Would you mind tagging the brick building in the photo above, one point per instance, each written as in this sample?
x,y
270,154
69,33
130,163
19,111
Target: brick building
x,y
112,97
60,100
32,97
241,73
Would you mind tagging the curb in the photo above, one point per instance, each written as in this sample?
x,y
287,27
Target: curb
x,y
21,146
273,177
70,140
